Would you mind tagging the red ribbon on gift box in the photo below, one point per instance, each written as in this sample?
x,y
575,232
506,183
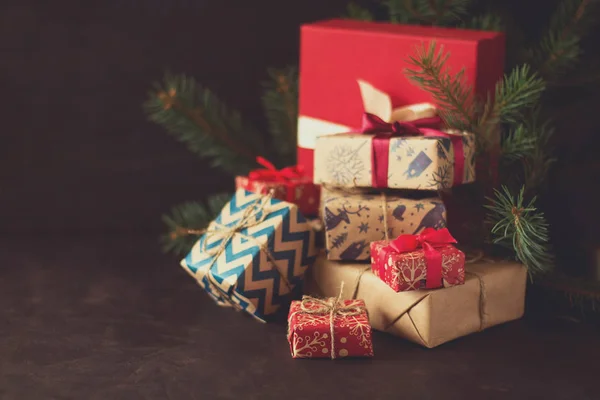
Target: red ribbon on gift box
x,y
428,127
284,176
430,240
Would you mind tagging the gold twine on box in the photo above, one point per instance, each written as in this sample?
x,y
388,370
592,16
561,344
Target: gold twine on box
x,y
250,218
332,306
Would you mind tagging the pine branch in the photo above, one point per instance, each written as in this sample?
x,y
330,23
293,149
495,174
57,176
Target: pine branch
x,y
484,22
518,144
453,96
540,160
196,117
514,96
522,228
560,49
517,92
355,11
430,12
280,101
186,221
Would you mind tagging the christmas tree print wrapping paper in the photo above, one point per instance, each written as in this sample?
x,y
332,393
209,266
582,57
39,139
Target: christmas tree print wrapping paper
x,y
353,219
416,162
243,275
309,335
493,293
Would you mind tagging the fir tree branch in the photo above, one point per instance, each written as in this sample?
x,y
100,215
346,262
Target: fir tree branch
x,y
186,222
196,117
560,49
453,96
522,228
518,144
280,101
431,12
516,93
355,11
484,22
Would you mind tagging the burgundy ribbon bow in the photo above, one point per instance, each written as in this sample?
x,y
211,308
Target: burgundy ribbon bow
x,y
284,176
421,127
430,240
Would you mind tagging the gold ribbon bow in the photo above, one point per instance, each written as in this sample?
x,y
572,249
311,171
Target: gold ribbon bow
x,y
332,306
253,215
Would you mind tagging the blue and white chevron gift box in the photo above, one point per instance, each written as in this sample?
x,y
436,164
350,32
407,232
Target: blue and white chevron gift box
x,y
254,254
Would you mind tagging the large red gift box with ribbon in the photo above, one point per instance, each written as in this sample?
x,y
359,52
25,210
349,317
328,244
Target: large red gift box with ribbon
x,y
289,184
424,261
329,328
335,54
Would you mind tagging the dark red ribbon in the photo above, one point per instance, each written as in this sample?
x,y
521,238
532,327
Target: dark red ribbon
x,y
430,240
383,131
284,176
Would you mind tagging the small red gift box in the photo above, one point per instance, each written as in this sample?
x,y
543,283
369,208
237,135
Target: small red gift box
x,y
329,328
425,261
289,184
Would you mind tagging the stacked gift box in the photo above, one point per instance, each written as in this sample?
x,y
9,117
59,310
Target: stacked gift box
x,y
373,155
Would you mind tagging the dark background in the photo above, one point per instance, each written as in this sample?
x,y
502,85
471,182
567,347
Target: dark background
x,y
78,156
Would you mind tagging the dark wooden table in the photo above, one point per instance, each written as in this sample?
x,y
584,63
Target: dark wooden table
x,y
95,318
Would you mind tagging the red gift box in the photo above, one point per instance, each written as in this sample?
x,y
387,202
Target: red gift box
x,y
329,328
424,261
335,54
289,184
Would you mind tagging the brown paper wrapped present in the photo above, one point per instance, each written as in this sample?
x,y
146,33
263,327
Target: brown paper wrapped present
x,y
493,293
416,162
355,218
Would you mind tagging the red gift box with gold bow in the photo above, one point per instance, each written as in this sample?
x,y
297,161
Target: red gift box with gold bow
x,y
329,328
424,261
290,184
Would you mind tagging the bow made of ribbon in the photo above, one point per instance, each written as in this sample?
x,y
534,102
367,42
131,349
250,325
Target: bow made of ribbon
x,y
427,127
430,240
332,306
253,215
285,176
272,174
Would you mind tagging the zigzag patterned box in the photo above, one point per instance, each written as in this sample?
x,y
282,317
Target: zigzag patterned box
x,y
254,265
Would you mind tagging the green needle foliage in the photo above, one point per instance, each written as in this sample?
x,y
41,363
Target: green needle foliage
x,y
522,228
186,221
354,11
484,22
452,95
197,118
518,91
280,101
427,12
559,49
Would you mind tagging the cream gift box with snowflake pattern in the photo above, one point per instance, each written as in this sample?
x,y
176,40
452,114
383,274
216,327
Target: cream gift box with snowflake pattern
x,y
415,162
354,218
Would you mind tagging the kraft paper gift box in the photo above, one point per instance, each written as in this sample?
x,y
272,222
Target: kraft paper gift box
x,y
355,218
401,162
335,54
493,293
254,254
